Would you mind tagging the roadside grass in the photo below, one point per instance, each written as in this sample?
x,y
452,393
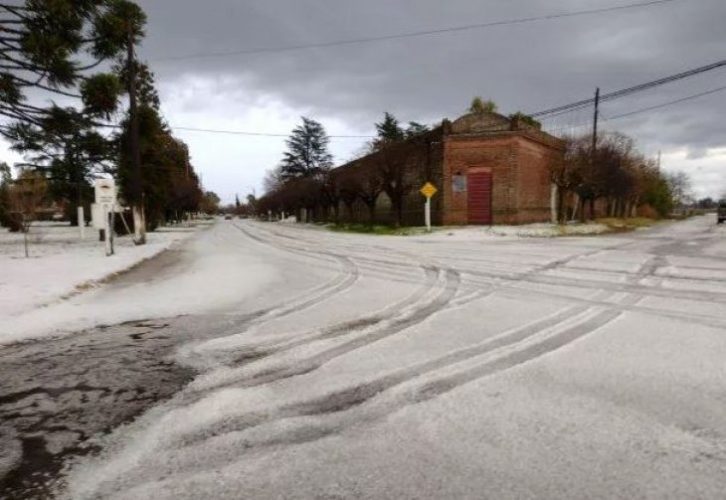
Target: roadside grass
x,y
629,224
594,228
375,229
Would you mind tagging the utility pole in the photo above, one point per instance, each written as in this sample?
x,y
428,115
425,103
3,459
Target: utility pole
x,y
594,122
138,198
593,151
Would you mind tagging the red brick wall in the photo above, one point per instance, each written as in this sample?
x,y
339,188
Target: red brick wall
x,y
520,173
534,187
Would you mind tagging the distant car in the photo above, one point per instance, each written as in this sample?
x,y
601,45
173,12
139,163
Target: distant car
x,y
227,217
722,212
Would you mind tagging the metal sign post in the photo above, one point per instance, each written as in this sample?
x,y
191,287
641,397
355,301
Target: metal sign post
x,y
428,214
106,200
428,190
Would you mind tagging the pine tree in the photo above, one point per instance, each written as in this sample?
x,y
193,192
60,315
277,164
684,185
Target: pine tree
x,y
169,183
51,49
46,50
415,128
69,152
307,153
389,130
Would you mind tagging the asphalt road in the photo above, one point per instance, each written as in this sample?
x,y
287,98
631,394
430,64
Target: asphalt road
x,y
366,329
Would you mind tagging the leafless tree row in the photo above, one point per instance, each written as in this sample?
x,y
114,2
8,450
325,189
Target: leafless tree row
x,y
613,180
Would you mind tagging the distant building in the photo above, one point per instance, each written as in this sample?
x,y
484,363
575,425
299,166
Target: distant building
x,y
489,169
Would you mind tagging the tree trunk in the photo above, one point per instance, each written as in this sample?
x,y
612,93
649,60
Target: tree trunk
x,y
351,213
371,212
26,228
137,211
398,207
138,203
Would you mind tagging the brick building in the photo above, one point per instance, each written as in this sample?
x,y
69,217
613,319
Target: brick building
x,y
489,169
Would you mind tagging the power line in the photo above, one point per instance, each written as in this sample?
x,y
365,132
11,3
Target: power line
x,y
669,103
623,115
554,112
630,90
243,132
416,34
264,134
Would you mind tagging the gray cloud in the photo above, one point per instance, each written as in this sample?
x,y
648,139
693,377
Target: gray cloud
x,y
527,66
524,67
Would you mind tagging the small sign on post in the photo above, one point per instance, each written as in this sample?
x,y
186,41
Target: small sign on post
x,y
428,190
106,202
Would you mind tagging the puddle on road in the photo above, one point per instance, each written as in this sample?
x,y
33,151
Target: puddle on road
x,y
58,396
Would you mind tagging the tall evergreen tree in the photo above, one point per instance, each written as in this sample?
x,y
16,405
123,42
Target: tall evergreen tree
x,y
46,50
169,184
389,130
415,128
46,47
69,152
307,154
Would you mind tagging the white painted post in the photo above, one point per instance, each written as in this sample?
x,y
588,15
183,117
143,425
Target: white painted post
x,y
81,222
107,226
428,214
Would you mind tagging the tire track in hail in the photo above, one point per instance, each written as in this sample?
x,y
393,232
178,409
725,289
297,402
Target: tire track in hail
x,y
355,398
569,325
347,277
257,350
265,375
586,320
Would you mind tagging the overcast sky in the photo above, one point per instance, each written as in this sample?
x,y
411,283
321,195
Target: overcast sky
x,y
526,67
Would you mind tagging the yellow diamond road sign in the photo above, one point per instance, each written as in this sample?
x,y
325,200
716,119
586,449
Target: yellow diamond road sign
x,y
428,190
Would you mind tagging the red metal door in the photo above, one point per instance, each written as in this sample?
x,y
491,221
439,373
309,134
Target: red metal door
x,y
480,197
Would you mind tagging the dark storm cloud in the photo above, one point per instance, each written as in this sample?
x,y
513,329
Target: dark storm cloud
x,y
523,67
528,67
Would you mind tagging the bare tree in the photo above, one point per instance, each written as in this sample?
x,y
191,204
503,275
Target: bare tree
x,y
680,184
395,176
617,173
26,197
272,180
369,184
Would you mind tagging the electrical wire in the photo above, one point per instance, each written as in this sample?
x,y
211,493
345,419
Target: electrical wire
x,y
414,34
630,90
669,103
264,134
579,106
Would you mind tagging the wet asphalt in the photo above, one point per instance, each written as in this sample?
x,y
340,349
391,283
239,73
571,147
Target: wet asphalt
x,y
58,397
